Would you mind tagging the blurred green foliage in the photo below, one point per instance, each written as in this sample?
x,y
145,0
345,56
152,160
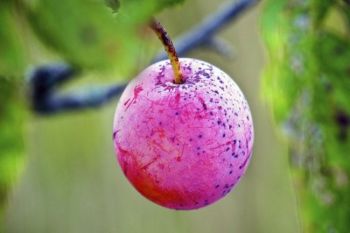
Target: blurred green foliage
x,y
307,83
86,34
12,117
12,53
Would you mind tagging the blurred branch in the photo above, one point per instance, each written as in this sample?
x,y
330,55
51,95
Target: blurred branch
x,y
44,81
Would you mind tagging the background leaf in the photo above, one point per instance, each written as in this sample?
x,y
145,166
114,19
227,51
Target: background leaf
x,y
87,34
12,116
12,52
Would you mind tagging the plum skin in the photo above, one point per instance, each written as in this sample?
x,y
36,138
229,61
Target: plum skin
x,y
183,146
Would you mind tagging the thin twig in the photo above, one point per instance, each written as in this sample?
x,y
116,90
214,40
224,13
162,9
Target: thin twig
x,y
169,48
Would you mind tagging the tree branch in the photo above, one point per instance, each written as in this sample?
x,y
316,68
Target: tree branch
x,y
44,81
209,27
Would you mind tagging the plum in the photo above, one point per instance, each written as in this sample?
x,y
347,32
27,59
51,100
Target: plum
x,y
183,146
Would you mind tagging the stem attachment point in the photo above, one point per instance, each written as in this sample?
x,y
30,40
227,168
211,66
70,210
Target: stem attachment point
x,y
169,48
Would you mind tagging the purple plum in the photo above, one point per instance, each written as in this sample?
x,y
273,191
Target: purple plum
x,y
183,146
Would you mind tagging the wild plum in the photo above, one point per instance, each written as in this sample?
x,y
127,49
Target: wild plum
x,y
183,145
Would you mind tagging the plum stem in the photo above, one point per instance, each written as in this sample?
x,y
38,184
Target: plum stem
x,y
169,48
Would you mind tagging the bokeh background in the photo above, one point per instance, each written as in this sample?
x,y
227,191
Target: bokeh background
x,y
72,182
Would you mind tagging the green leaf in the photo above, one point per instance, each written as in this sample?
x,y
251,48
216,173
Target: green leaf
x,y
271,21
160,4
12,52
113,4
83,32
12,116
168,3
319,9
87,34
